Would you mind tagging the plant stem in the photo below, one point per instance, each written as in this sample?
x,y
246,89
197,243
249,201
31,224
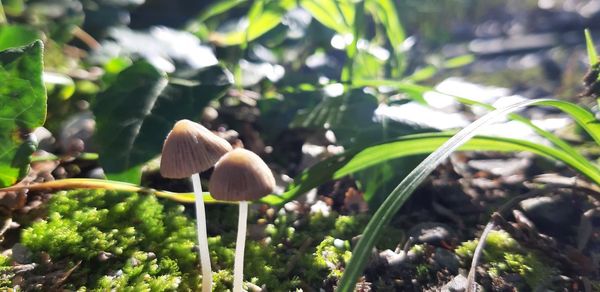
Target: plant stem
x,y
3,19
238,267
471,285
202,236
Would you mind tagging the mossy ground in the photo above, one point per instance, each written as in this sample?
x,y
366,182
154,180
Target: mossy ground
x,y
107,240
505,256
132,242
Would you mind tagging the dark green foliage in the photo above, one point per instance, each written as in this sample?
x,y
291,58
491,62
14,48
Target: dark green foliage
x,y
148,105
22,108
16,36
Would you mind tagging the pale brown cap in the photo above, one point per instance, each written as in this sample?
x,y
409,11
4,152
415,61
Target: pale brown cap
x,y
241,175
190,148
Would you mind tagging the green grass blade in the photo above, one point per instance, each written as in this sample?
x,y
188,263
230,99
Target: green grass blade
x,y
403,191
415,89
584,118
357,33
354,160
427,143
385,12
331,13
591,50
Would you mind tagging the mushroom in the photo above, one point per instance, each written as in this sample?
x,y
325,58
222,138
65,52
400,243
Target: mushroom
x,y
188,150
241,176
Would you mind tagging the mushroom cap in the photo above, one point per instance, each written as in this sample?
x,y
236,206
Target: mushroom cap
x,y
241,175
190,148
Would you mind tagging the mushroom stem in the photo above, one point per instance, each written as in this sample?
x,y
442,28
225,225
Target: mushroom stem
x,y
202,236
238,268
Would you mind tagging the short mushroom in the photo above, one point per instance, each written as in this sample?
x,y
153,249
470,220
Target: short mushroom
x,y
242,176
188,150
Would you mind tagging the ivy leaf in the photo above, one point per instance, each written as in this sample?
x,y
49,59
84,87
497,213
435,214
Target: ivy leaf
x,y
22,108
16,35
134,114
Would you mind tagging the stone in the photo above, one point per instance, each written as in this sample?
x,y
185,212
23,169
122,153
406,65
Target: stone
x,y
446,259
431,232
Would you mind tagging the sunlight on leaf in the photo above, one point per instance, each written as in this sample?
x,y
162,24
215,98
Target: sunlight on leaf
x,y
263,16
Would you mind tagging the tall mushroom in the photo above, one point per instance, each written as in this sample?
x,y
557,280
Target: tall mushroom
x,y
188,150
242,176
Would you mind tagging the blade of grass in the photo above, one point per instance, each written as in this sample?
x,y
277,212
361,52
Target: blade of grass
x,y
402,192
385,11
352,49
580,118
591,49
330,13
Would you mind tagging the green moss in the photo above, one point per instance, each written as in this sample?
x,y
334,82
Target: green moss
x,y
222,280
347,227
333,254
418,249
151,243
6,272
140,273
505,256
83,225
422,272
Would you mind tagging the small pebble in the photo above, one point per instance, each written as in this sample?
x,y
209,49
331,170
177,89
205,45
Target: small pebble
x,y
431,232
338,243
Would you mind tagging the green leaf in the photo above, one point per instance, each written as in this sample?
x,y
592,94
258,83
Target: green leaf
x,y
264,15
218,8
385,12
132,175
402,192
22,108
137,111
349,116
591,50
16,36
335,14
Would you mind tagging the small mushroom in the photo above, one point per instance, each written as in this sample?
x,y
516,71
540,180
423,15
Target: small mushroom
x,y
188,150
242,176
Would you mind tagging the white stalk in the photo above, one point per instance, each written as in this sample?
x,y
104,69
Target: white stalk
x,y
238,267
202,236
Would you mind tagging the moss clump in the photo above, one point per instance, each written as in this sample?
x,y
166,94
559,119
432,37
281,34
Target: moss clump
x,y
143,272
333,254
505,256
133,242
123,241
6,272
